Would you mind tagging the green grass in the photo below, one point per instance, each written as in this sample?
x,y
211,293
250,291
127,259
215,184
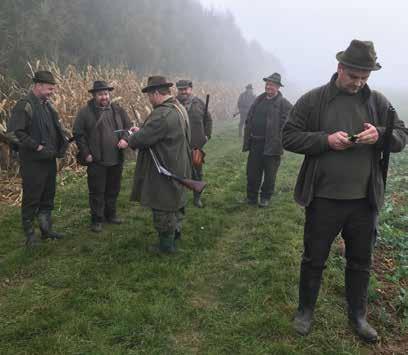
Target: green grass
x,y
232,289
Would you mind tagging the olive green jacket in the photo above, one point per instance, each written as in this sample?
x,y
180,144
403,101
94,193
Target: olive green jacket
x,y
200,125
167,132
28,128
302,134
274,122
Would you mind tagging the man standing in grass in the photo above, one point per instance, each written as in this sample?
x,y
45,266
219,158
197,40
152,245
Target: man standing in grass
x,y
339,127
40,138
262,139
245,101
101,149
200,125
166,135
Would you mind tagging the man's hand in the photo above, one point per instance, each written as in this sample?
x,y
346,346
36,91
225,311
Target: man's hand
x,y
89,158
40,148
369,135
122,144
135,129
339,141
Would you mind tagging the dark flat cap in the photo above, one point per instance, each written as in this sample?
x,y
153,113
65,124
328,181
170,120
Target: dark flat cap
x,y
182,84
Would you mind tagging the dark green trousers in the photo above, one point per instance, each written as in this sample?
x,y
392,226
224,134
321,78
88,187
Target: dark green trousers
x,y
325,219
261,172
39,181
104,186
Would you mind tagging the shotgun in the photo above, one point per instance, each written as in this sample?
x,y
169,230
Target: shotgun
x,y
387,143
196,186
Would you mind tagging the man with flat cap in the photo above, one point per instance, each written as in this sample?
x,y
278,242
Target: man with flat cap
x,y
166,134
262,138
40,138
100,133
245,101
200,125
340,127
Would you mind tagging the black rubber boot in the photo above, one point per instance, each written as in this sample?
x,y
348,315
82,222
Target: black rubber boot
x,y
45,223
166,243
309,286
177,235
31,238
356,294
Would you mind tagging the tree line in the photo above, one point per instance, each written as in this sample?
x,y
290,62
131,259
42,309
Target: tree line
x,y
148,36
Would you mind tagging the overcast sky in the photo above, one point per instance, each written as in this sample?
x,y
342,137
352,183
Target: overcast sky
x,y
306,35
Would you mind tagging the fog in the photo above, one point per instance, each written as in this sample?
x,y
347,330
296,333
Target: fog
x,y
306,35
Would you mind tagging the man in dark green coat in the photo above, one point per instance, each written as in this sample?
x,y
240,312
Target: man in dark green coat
x,y
101,148
200,125
339,127
166,132
263,140
245,101
35,126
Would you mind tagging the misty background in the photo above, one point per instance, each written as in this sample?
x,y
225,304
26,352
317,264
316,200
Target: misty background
x,y
233,41
306,35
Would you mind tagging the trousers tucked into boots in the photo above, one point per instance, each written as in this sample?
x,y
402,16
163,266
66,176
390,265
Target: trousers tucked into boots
x,y
325,219
168,226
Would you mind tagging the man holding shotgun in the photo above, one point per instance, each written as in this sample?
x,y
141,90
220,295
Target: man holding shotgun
x,y
346,131
201,128
163,162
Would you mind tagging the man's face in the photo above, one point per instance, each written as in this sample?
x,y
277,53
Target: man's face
x,y
153,97
271,88
44,90
184,93
351,80
102,98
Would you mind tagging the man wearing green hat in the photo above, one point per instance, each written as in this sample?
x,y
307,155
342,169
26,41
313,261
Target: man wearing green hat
x,y
166,134
41,139
200,125
100,133
339,127
262,138
245,101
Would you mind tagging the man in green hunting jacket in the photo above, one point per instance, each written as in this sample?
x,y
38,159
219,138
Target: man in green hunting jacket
x,y
200,125
166,131
262,138
340,182
101,149
35,126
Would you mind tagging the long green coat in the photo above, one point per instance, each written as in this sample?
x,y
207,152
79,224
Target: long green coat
x,y
168,133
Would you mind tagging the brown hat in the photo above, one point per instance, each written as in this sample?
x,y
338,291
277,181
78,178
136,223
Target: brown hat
x,y
100,85
359,55
44,76
156,82
275,78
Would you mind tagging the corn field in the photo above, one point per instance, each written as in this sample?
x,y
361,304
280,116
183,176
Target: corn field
x,y
72,94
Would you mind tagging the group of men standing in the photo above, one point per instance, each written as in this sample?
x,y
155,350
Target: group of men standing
x,y
102,131
338,127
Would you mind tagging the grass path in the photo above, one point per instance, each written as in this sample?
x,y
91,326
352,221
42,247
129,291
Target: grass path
x,y
232,289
